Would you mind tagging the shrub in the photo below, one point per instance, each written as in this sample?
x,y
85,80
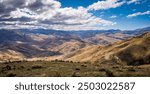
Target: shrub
x,y
36,66
22,67
6,68
77,68
101,70
57,74
75,75
131,69
84,65
11,74
109,73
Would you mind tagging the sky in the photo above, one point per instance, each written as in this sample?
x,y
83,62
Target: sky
x,y
75,14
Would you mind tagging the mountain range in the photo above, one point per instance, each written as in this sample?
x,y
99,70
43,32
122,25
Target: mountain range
x,y
133,51
45,44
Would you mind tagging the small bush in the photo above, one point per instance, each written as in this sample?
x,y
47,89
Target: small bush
x,y
109,73
17,61
84,65
6,68
57,74
11,75
22,67
131,69
77,68
36,67
102,70
28,69
75,75
115,67
71,61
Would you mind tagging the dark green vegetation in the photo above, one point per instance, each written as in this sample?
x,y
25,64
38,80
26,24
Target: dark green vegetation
x,y
70,69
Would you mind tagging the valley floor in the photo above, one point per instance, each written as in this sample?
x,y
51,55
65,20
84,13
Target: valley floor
x,y
70,69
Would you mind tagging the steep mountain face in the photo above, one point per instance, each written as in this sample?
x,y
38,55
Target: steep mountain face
x,y
134,51
26,43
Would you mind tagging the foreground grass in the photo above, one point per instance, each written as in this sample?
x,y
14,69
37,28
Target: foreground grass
x,y
70,69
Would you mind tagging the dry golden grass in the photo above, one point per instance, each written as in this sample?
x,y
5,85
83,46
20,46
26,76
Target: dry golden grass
x,y
133,51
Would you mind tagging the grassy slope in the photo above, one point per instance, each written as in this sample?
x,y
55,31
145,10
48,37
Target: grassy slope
x,y
70,69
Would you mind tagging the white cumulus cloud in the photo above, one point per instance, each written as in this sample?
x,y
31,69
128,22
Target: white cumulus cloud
x,y
138,14
50,14
107,4
132,1
113,16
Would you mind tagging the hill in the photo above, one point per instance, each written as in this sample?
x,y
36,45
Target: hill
x,y
134,51
20,44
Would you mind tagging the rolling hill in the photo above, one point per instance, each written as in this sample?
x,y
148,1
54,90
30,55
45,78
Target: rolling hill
x,y
20,44
133,51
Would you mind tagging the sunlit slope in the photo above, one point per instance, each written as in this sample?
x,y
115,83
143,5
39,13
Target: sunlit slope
x,y
133,51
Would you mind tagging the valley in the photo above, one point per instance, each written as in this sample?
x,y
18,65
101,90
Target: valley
x,y
51,53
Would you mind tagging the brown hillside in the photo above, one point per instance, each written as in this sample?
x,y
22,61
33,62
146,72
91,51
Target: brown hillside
x,y
133,51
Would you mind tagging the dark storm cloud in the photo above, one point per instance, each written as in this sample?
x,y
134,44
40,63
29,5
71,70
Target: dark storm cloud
x,y
23,19
7,6
58,23
39,6
36,5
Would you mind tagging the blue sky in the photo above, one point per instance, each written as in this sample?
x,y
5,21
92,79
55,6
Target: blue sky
x,y
75,14
77,3
118,14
